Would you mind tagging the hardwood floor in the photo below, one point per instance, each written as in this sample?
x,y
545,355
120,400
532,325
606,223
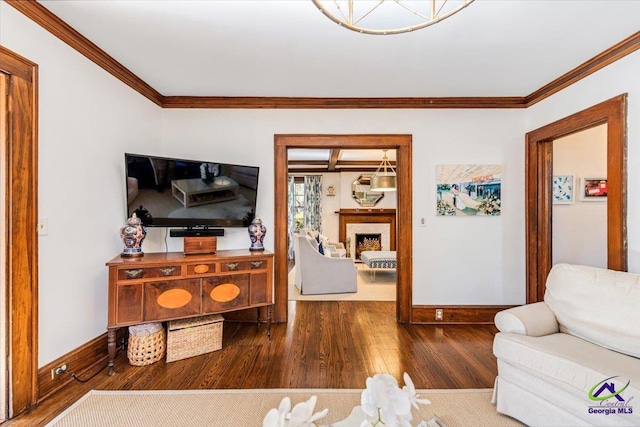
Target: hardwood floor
x,y
333,344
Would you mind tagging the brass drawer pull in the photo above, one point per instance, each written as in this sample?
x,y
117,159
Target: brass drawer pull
x,y
256,264
232,266
167,271
134,274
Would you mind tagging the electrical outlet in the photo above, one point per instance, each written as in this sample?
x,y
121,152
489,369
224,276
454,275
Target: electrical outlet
x,y
43,226
439,314
59,370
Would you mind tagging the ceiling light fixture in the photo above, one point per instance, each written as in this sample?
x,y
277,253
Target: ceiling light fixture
x,y
385,177
388,16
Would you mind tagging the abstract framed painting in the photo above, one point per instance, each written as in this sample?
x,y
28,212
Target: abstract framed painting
x,y
563,189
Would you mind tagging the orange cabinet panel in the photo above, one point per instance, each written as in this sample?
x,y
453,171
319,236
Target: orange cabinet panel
x,y
201,268
171,299
225,292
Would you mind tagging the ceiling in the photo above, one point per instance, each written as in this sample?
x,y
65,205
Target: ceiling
x,y
492,48
302,160
268,48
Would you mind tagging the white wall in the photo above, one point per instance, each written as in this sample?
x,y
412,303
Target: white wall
x,y
618,78
580,228
456,260
331,204
87,120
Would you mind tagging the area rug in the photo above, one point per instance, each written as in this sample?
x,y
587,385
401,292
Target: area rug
x,y
246,408
383,288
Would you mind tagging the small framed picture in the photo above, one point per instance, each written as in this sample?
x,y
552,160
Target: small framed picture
x,y
593,189
563,189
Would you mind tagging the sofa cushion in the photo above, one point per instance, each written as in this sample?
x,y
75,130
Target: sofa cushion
x,y
574,364
598,305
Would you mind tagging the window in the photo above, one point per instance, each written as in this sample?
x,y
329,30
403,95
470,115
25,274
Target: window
x,y
298,203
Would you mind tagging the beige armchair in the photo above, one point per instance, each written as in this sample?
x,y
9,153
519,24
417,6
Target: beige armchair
x,y
319,274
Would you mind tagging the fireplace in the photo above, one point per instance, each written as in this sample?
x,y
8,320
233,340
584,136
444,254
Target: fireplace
x,y
367,242
381,222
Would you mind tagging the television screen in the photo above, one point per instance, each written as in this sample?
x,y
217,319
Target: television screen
x,y
168,192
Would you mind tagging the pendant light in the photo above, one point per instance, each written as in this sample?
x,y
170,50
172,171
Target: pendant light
x,y
385,177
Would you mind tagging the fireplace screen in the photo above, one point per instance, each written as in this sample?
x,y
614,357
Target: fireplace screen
x,y
367,242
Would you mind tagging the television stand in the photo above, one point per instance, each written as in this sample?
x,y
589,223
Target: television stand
x,y
168,286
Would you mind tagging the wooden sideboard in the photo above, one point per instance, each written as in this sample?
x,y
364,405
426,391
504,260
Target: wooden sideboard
x,y
168,286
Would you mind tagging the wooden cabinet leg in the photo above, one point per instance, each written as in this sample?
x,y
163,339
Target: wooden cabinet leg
x,y
111,347
269,315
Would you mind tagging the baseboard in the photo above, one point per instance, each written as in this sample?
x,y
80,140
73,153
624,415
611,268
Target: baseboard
x,y
83,361
456,314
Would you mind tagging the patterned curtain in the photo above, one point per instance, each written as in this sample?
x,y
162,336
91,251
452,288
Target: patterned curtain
x,y
291,224
313,202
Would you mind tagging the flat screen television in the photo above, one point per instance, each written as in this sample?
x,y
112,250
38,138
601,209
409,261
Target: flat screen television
x,y
170,192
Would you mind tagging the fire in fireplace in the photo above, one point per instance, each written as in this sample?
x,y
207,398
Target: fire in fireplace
x,y
367,242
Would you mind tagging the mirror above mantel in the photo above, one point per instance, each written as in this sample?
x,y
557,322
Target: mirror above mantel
x,y
361,193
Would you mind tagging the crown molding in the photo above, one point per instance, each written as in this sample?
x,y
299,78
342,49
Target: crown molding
x,y
56,26
609,56
340,103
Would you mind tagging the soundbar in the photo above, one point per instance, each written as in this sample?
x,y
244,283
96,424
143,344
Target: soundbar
x,y
196,232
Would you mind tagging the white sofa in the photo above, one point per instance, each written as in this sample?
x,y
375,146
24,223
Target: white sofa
x,y
559,359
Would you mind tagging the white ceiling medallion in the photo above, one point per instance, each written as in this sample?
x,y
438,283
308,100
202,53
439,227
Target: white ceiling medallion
x,y
388,16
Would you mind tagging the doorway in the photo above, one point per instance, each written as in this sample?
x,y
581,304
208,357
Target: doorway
x,y
4,385
21,209
579,217
539,175
402,145
348,215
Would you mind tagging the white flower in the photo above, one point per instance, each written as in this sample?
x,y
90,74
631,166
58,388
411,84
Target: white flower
x,y
301,416
383,401
277,417
411,392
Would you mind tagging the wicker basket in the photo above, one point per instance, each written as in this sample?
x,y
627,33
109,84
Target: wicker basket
x,y
145,350
192,337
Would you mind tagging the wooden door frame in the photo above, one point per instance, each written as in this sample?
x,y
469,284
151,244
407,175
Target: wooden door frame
x,y
22,213
403,146
538,176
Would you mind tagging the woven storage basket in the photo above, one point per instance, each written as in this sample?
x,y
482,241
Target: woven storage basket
x,y
195,336
143,351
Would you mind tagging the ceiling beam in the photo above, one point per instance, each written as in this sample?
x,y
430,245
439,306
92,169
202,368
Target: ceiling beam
x,y
333,159
307,162
376,163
